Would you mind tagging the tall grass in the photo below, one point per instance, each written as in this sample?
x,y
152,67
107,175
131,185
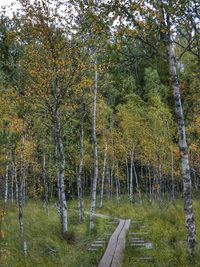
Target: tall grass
x,y
46,246
166,230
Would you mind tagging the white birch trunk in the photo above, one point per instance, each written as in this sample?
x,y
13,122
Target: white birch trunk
x,y
46,189
127,177
6,178
20,194
61,156
117,183
12,178
79,176
150,188
172,175
20,189
103,174
94,184
137,183
15,177
131,197
187,185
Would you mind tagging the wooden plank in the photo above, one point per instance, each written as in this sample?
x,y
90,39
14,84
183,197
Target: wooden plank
x,y
99,242
136,239
107,258
92,249
139,233
97,245
117,259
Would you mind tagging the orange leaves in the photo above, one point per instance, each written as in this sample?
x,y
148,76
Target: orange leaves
x,y
177,154
16,125
197,123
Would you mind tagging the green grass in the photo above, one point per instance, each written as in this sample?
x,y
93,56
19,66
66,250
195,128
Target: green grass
x,y
166,230
46,247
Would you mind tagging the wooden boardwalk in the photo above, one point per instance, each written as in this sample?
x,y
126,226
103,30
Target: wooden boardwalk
x,y
114,252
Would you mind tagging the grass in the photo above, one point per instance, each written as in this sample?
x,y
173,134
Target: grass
x,y
46,247
166,230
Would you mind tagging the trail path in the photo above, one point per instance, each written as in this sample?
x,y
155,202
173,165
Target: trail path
x,y
116,245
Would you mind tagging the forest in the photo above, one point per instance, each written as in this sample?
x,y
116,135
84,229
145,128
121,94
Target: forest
x,y
100,133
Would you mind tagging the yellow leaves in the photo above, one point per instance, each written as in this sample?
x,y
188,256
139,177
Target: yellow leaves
x,y
135,7
2,213
2,234
5,253
148,27
145,35
136,33
197,123
29,148
16,125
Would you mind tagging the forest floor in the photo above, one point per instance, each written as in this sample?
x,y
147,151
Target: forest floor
x,y
46,247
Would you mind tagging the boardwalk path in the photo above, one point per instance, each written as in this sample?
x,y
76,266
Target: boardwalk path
x,y
114,252
116,245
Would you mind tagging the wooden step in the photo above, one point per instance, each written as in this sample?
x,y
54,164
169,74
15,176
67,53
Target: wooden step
x,y
137,241
97,245
143,245
139,233
92,249
99,242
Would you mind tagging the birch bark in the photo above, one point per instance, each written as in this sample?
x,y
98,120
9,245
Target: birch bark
x,y
6,177
103,174
61,157
131,197
46,189
94,184
187,185
80,174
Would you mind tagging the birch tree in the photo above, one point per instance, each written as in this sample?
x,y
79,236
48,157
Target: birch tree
x,y
159,20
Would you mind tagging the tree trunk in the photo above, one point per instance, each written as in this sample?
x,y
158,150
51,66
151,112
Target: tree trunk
x,y
20,193
12,178
172,175
131,197
137,183
15,176
61,157
46,188
111,182
24,183
20,190
150,187
103,174
57,172
127,177
80,174
94,184
108,183
117,184
6,177
187,186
